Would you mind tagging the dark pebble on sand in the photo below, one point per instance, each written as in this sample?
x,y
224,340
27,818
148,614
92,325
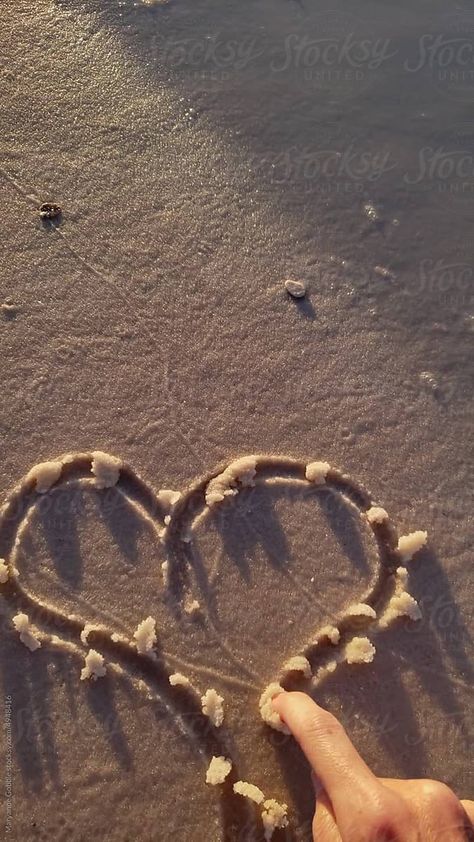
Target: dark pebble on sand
x,y
49,210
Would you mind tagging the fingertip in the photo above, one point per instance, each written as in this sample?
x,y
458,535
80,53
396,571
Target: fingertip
x,y
328,749
277,700
293,702
284,704
295,709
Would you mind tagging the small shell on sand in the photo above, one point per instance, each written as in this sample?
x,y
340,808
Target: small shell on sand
x,y
49,210
8,311
94,666
219,768
295,288
106,469
384,272
145,635
268,714
44,475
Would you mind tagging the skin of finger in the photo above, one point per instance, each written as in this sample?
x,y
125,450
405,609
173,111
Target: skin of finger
x,y
324,824
469,808
326,745
362,806
440,816
325,827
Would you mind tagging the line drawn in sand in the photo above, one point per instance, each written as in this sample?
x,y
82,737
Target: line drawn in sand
x,y
175,518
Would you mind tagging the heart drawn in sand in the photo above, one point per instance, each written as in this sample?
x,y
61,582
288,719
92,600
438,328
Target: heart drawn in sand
x,y
188,584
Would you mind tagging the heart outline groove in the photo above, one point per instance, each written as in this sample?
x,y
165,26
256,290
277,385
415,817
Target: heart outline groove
x,y
175,527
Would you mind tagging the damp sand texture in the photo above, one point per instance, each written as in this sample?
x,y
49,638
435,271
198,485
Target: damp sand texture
x,y
150,321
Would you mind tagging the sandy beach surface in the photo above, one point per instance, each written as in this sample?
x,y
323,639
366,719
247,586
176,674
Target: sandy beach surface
x,y
202,154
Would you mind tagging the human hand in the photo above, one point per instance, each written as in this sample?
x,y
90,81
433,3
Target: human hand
x,y
356,806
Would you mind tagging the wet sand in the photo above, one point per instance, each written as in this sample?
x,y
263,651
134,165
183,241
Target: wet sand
x,y
202,157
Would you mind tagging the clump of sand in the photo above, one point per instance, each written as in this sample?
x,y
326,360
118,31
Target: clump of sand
x,y
274,817
27,637
106,469
94,666
359,650
325,670
268,714
409,544
213,707
361,609
85,632
376,515
298,664
402,603
332,633
44,475
249,791
192,607
316,472
4,571
219,769
168,499
402,576
241,471
178,679
145,636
